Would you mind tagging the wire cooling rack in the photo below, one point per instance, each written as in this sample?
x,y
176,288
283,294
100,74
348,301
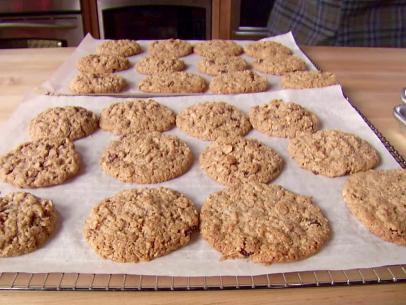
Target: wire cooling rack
x,y
126,282
129,282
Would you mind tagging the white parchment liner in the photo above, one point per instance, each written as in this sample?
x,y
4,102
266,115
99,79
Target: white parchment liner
x,y
351,245
58,84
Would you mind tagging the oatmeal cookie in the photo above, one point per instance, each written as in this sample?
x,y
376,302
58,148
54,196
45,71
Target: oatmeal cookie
x,y
264,223
141,224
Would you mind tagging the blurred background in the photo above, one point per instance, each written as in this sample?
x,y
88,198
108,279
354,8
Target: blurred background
x,y
61,23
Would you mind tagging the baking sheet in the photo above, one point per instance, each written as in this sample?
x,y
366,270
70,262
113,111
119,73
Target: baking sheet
x,y
60,80
351,245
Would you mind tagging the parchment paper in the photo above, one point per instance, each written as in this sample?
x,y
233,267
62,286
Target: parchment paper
x,y
59,82
351,245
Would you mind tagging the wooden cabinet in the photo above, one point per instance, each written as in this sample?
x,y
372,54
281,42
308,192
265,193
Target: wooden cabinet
x,y
230,19
241,19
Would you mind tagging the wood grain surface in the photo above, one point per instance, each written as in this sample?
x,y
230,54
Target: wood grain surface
x,y
371,78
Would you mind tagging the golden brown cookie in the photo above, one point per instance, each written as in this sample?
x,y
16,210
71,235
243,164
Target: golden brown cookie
x,y
264,49
238,82
146,158
97,83
264,223
175,82
121,47
222,64
157,64
100,64
333,153
72,122
279,64
378,199
210,120
137,116
26,223
40,163
171,47
236,160
286,120
308,79
217,47
141,224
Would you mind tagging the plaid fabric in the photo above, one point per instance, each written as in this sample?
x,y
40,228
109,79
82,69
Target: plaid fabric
x,y
369,23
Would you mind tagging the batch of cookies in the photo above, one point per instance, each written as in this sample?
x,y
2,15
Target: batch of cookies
x,y
220,59
251,218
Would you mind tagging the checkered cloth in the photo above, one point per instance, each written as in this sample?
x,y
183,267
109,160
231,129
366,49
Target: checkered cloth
x,y
368,23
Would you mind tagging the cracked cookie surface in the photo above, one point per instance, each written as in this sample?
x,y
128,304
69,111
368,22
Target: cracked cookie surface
x,y
158,64
222,64
72,122
264,49
333,153
175,82
236,160
26,223
120,47
217,47
210,120
280,119
40,163
141,224
238,82
308,79
137,116
97,83
100,64
170,47
148,158
279,64
377,198
264,223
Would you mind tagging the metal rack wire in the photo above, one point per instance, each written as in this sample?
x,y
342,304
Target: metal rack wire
x,y
127,282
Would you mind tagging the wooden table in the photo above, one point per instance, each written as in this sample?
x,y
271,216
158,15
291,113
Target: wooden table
x,y
372,78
